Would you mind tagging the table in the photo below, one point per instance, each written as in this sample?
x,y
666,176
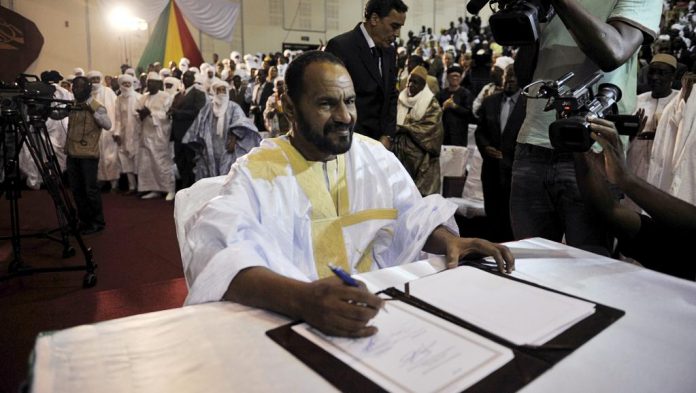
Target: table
x,y
222,347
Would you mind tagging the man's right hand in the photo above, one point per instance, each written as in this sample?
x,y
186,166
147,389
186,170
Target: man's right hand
x,y
338,309
492,152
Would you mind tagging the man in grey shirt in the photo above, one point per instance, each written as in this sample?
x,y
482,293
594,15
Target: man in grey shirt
x,y
583,37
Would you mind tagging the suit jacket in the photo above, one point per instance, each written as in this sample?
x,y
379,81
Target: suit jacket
x,y
488,131
184,112
376,95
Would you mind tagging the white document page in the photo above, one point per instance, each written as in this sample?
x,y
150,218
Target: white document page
x,y
396,276
519,313
415,351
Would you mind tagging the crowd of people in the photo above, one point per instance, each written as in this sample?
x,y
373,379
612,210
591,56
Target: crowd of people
x,y
171,126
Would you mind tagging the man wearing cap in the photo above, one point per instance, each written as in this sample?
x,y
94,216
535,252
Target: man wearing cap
x,y
371,59
109,166
585,36
650,105
412,62
126,130
155,164
456,108
419,135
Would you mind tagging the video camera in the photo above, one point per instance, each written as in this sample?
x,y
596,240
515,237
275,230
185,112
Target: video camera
x,y
515,22
29,92
571,130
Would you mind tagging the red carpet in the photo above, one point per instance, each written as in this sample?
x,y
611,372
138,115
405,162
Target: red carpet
x,y
139,271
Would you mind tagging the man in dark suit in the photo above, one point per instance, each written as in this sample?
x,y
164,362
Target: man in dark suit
x,y
501,116
183,112
370,58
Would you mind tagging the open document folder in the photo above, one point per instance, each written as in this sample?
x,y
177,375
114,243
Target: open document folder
x,y
454,330
517,312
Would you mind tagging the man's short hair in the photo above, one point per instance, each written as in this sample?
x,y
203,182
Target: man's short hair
x,y
294,74
383,7
415,60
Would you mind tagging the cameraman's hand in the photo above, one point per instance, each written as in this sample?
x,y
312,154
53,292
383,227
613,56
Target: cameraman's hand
x,y
604,132
338,309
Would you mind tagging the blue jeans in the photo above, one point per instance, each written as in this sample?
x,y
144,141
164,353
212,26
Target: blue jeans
x,y
545,201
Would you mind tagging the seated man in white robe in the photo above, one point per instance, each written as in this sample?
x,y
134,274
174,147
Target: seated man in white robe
x,y
220,134
320,195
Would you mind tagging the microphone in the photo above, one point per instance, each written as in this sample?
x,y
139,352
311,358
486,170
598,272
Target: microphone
x,y
475,6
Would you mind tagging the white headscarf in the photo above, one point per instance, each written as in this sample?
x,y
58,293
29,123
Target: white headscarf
x,y
77,71
198,82
165,72
95,74
184,64
96,87
152,75
126,91
415,107
176,85
220,104
236,56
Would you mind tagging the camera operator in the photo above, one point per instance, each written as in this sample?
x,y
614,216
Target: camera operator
x,y
583,36
659,241
85,124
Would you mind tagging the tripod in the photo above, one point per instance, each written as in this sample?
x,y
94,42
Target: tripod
x,y
16,133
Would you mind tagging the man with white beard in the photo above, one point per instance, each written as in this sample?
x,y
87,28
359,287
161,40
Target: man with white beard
x,y
126,130
220,134
155,164
109,166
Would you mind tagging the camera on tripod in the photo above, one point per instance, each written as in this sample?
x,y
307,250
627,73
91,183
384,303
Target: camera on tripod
x,y
571,131
515,22
29,92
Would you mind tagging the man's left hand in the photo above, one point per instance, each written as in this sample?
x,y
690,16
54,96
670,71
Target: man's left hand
x,y
459,247
386,141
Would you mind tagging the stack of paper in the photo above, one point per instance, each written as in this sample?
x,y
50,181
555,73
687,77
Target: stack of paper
x,y
519,313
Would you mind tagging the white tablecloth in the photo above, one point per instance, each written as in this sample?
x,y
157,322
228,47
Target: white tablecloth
x,y
222,347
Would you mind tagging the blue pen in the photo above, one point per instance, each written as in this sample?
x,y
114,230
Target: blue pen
x,y
348,280
345,277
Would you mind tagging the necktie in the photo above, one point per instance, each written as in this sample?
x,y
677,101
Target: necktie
x,y
505,112
377,56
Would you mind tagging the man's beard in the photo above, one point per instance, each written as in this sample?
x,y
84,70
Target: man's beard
x,y
322,141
